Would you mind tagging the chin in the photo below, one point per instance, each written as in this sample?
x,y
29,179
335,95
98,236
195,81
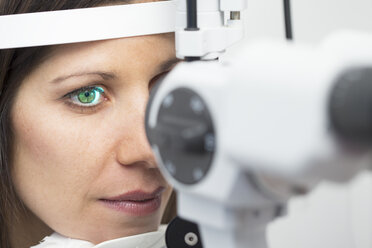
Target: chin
x,y
134,226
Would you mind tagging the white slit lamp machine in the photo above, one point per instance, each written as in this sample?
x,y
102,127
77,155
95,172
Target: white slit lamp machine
x,y
237,138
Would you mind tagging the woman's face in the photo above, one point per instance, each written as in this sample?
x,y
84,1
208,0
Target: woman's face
x,y
81,159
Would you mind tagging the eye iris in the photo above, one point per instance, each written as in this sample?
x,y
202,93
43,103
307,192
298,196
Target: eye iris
x,y
87,96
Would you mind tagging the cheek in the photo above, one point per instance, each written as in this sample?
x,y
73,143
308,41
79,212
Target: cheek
x,y
53,160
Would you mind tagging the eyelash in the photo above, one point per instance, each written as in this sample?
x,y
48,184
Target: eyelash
x,y
73,101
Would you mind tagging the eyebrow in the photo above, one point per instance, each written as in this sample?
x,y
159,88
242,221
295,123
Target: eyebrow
x,y
165,66
104,75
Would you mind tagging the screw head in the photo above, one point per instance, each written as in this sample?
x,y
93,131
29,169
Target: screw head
x,y
191,239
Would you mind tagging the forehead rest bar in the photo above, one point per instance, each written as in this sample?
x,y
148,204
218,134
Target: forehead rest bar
x,y
89,24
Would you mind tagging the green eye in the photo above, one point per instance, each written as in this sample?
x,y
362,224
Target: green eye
x,y
87,96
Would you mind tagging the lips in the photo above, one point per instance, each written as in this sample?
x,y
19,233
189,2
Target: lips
x,y
137,203
137,195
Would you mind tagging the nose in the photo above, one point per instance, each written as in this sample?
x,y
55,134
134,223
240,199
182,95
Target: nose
x,y
133,146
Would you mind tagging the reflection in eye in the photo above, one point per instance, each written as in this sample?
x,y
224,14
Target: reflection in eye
x,y
87,96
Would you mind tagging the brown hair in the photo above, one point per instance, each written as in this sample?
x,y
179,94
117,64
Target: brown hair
x,y
15,65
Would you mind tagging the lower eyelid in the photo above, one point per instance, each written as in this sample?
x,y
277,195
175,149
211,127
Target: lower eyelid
x,y
84,110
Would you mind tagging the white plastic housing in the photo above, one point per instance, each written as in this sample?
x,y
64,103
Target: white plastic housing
x,y
233,5
269,108
213,36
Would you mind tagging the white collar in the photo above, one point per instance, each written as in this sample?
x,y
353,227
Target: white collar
x,y
146,240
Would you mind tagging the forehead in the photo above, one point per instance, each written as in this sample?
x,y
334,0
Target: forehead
x,y
139,43
131,56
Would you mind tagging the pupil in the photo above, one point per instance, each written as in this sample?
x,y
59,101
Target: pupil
x,y
87,96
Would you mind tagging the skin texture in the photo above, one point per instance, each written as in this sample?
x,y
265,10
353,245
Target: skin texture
x,y
67,157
